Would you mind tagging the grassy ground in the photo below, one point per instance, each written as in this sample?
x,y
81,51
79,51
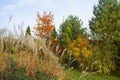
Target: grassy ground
x,y
75,75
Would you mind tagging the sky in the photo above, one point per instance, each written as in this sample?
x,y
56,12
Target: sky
x,y
25,11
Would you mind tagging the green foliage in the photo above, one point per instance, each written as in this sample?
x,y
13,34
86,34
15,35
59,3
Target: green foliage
x,y
105,22
105,30
20,74
70,29
8,45
75,24
76,74
41,76
102,60
54,33
66,37
28,31
68,60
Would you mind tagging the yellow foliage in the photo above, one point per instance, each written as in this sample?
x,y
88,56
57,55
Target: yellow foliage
x,y
54,40
76,52
79,47
86,53
71,45
82,42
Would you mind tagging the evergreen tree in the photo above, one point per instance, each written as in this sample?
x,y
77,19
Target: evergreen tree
x,y
75,25
54,33
105,27
28,31
70,29
106,20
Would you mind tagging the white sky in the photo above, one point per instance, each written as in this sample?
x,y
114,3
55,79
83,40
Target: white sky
x,y
26,10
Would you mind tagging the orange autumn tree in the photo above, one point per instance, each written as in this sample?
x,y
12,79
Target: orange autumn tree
x,y
44,25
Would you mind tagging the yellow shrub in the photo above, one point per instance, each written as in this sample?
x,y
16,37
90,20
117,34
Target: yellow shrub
x,y
86,52
76,52
79,47
82,42
71,45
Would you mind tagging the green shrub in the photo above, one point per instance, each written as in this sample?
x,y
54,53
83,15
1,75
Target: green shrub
x,y
103,60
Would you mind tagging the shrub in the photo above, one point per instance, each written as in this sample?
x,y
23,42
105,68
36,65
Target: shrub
x,y
80,51
102,60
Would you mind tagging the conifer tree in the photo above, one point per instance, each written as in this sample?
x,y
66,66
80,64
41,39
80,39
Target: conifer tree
x,y
28,31
105,29
106,20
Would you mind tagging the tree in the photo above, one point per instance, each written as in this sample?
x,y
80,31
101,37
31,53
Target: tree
x,y
75,24
65,37
106,20
44,25
77,53
69,38
53,42
54,33
70,29
80,48
105,28
28,31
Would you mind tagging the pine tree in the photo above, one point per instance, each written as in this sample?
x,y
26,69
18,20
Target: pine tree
x,y
70,29
106,20
28,31
105,29
54,33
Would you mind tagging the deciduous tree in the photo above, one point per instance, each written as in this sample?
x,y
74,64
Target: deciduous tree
x,y
44,25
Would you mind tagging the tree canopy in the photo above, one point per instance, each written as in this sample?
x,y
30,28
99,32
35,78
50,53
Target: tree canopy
x,y
105,29
70,29
106,20
28,31
44,25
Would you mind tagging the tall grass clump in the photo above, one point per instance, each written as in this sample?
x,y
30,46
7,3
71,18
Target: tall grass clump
x,y
41,61
25,56
3,62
